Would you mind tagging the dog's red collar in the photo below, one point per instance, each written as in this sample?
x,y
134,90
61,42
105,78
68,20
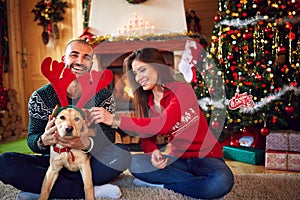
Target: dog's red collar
x,y
62,150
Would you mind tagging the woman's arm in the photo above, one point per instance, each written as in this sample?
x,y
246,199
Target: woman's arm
x,y
105,134
177,103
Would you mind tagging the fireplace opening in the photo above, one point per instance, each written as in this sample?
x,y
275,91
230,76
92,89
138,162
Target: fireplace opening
x,y
123,93
121,89
119,85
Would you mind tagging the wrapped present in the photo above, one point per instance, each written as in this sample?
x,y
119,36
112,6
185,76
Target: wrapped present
x,y
282,160
283,140
259,141
249,155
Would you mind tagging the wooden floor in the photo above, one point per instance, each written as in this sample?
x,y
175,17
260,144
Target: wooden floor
x,y
244,168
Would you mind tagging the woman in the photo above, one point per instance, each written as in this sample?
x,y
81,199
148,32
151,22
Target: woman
x,y
194,166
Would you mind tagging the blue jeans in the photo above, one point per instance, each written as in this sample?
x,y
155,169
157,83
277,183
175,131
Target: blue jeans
x,y
205,178
26,172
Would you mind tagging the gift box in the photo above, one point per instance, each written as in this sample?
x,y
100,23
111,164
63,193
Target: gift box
x,y
283,140
282,160
254,156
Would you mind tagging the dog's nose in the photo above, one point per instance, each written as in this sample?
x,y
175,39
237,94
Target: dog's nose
x,y
69,129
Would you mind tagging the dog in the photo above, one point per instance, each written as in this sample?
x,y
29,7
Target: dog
x,y
70,122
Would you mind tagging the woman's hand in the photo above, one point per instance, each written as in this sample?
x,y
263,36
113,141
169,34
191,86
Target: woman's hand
x,y
101,115
157,159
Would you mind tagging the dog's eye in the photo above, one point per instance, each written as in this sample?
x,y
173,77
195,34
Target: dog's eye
x,y
77,119
62,117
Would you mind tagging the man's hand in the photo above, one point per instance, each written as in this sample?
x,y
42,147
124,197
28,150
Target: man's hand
x,y
48,137
75,143
157,159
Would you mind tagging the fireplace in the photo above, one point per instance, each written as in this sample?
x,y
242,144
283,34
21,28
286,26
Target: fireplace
x,y
110,55
121,89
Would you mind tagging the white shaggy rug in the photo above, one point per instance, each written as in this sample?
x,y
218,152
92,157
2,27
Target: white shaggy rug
x,y
247,187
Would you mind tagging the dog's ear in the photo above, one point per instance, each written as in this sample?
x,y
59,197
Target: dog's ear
x,y
92,131
88,118
87,115
53,112
91,126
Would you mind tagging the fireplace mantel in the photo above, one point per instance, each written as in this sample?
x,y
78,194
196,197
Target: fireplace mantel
x,y
121,47
110,55
113,53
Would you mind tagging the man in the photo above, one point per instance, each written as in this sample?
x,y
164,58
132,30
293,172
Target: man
x,y
108,160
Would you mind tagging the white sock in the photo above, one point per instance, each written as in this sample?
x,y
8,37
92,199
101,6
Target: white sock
x,y
107,190
139,182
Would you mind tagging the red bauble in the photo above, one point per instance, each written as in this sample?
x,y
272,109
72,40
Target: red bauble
x,y
295,84
289,109
267,30
258,77
235,143
282,50
244,14
247,36
230,57
274,119
49,28
250,62
217,18
267,52
264,131
215,124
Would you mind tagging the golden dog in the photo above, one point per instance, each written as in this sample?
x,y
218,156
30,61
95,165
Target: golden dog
x,y
70,122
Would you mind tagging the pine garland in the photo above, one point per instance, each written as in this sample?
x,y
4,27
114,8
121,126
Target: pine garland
x,y
48,13
136,1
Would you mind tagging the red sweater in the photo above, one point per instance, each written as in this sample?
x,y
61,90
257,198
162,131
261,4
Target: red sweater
x,y
181,120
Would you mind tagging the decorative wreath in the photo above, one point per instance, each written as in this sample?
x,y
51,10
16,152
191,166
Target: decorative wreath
x,y
48,13
136,1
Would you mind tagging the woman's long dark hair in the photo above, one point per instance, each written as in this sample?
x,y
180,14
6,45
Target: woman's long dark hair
x,y
153,57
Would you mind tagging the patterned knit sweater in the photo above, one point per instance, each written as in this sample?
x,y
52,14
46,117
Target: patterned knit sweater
x,y
41,105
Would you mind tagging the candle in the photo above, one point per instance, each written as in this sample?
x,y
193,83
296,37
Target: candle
x,y
152,29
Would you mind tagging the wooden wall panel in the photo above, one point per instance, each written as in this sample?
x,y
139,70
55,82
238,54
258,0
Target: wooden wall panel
x,y
25,37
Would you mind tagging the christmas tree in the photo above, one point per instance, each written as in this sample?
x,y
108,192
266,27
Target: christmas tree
x,y
255,46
